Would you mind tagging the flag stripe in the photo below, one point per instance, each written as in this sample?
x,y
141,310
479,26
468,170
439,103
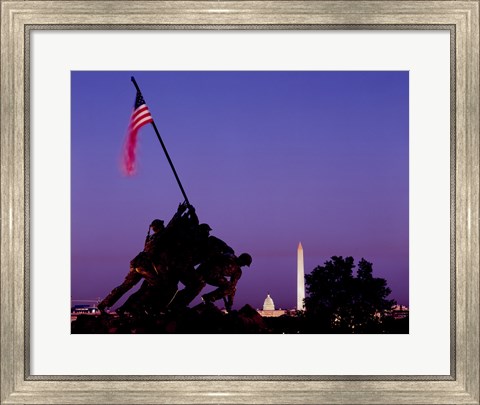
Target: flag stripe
x,y
140,123
137,117
139,111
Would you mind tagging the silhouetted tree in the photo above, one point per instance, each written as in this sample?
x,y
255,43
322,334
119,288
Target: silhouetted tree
x,y
339,302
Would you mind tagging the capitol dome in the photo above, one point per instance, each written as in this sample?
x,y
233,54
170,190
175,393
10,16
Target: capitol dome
x,y
268,304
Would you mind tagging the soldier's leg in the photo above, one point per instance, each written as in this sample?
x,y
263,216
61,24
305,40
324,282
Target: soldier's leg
x,y
218,281
133,303
144,302
131,279
228,301
193,282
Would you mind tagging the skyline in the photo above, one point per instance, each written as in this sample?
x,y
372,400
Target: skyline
x,y
268,159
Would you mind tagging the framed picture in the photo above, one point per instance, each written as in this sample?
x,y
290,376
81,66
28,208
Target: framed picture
x,y
53,52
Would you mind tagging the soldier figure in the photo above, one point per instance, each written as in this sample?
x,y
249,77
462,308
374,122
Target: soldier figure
x,y
204,250
142,266
216,271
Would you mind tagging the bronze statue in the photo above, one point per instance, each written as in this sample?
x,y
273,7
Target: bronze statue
x,y
170,256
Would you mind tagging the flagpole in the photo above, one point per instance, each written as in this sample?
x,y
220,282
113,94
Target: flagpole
x,y
164,149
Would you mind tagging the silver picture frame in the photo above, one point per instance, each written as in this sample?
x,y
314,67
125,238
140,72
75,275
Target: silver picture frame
x,y
19,18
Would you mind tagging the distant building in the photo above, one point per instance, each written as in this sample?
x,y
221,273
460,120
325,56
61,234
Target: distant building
x,y
84,309
269,308
399,312
396,312
268,304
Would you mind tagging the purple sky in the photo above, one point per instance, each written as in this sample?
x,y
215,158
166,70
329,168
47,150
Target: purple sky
x,y
268,159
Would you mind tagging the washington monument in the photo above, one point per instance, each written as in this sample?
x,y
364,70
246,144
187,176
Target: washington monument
x,y
300,279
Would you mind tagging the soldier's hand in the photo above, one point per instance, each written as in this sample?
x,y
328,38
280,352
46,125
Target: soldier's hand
x,y
182,207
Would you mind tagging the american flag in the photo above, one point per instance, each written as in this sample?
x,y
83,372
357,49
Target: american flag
x,y
141,116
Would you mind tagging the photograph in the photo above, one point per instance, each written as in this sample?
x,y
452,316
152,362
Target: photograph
x,y
264,202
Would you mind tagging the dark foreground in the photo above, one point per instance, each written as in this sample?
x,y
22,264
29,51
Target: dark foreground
x,y
209,319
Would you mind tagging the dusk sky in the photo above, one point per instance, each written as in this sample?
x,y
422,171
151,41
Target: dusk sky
x,y
268,159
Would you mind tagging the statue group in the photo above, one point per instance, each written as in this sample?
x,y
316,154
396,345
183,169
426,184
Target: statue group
x,y
181,252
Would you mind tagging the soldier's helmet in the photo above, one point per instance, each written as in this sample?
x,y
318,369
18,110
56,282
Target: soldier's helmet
x,y
204,228
244,260
157,224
